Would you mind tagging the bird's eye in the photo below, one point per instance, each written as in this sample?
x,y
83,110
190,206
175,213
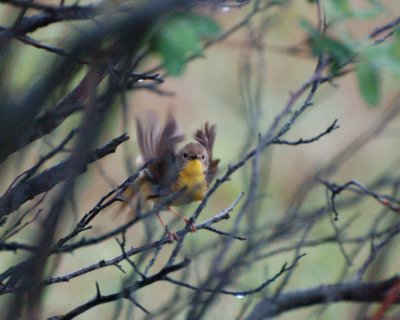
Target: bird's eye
x,y
185,155
203,157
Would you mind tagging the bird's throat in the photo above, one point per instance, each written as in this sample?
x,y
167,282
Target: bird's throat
x,y
192,178
193,170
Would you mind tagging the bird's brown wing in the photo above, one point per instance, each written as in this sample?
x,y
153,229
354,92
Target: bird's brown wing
x,y
206,137
157,144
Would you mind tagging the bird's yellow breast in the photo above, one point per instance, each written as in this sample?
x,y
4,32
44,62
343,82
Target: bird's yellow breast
x,y
193,179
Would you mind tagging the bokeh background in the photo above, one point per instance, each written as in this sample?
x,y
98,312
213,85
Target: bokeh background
x,y
211,89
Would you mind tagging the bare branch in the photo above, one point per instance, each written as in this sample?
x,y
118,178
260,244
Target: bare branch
x,y
46,180
349,292
125,293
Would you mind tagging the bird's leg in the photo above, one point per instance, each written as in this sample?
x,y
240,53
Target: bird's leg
x,y
187,221
171,235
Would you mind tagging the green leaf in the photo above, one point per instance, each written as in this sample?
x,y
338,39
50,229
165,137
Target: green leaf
x,y
335,48
386,56
204,26
369,83
338,50
179,36
173,62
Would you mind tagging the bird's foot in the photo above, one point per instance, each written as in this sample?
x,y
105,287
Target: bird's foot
x,y
191,224
172,236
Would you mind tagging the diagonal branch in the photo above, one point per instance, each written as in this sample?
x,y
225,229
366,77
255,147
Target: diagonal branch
x,y
42,182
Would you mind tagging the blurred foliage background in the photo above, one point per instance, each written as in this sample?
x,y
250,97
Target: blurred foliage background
x,y
273,52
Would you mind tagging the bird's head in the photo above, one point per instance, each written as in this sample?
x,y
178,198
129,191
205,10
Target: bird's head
x,y
192,152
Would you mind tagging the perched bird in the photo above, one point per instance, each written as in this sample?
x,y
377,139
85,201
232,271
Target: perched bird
x,y
189,171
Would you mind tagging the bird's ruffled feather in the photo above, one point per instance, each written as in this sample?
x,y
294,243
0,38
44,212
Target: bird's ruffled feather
x,y
206,137
157,143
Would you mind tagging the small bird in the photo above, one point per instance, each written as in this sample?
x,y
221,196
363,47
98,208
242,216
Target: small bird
x,y
190,170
